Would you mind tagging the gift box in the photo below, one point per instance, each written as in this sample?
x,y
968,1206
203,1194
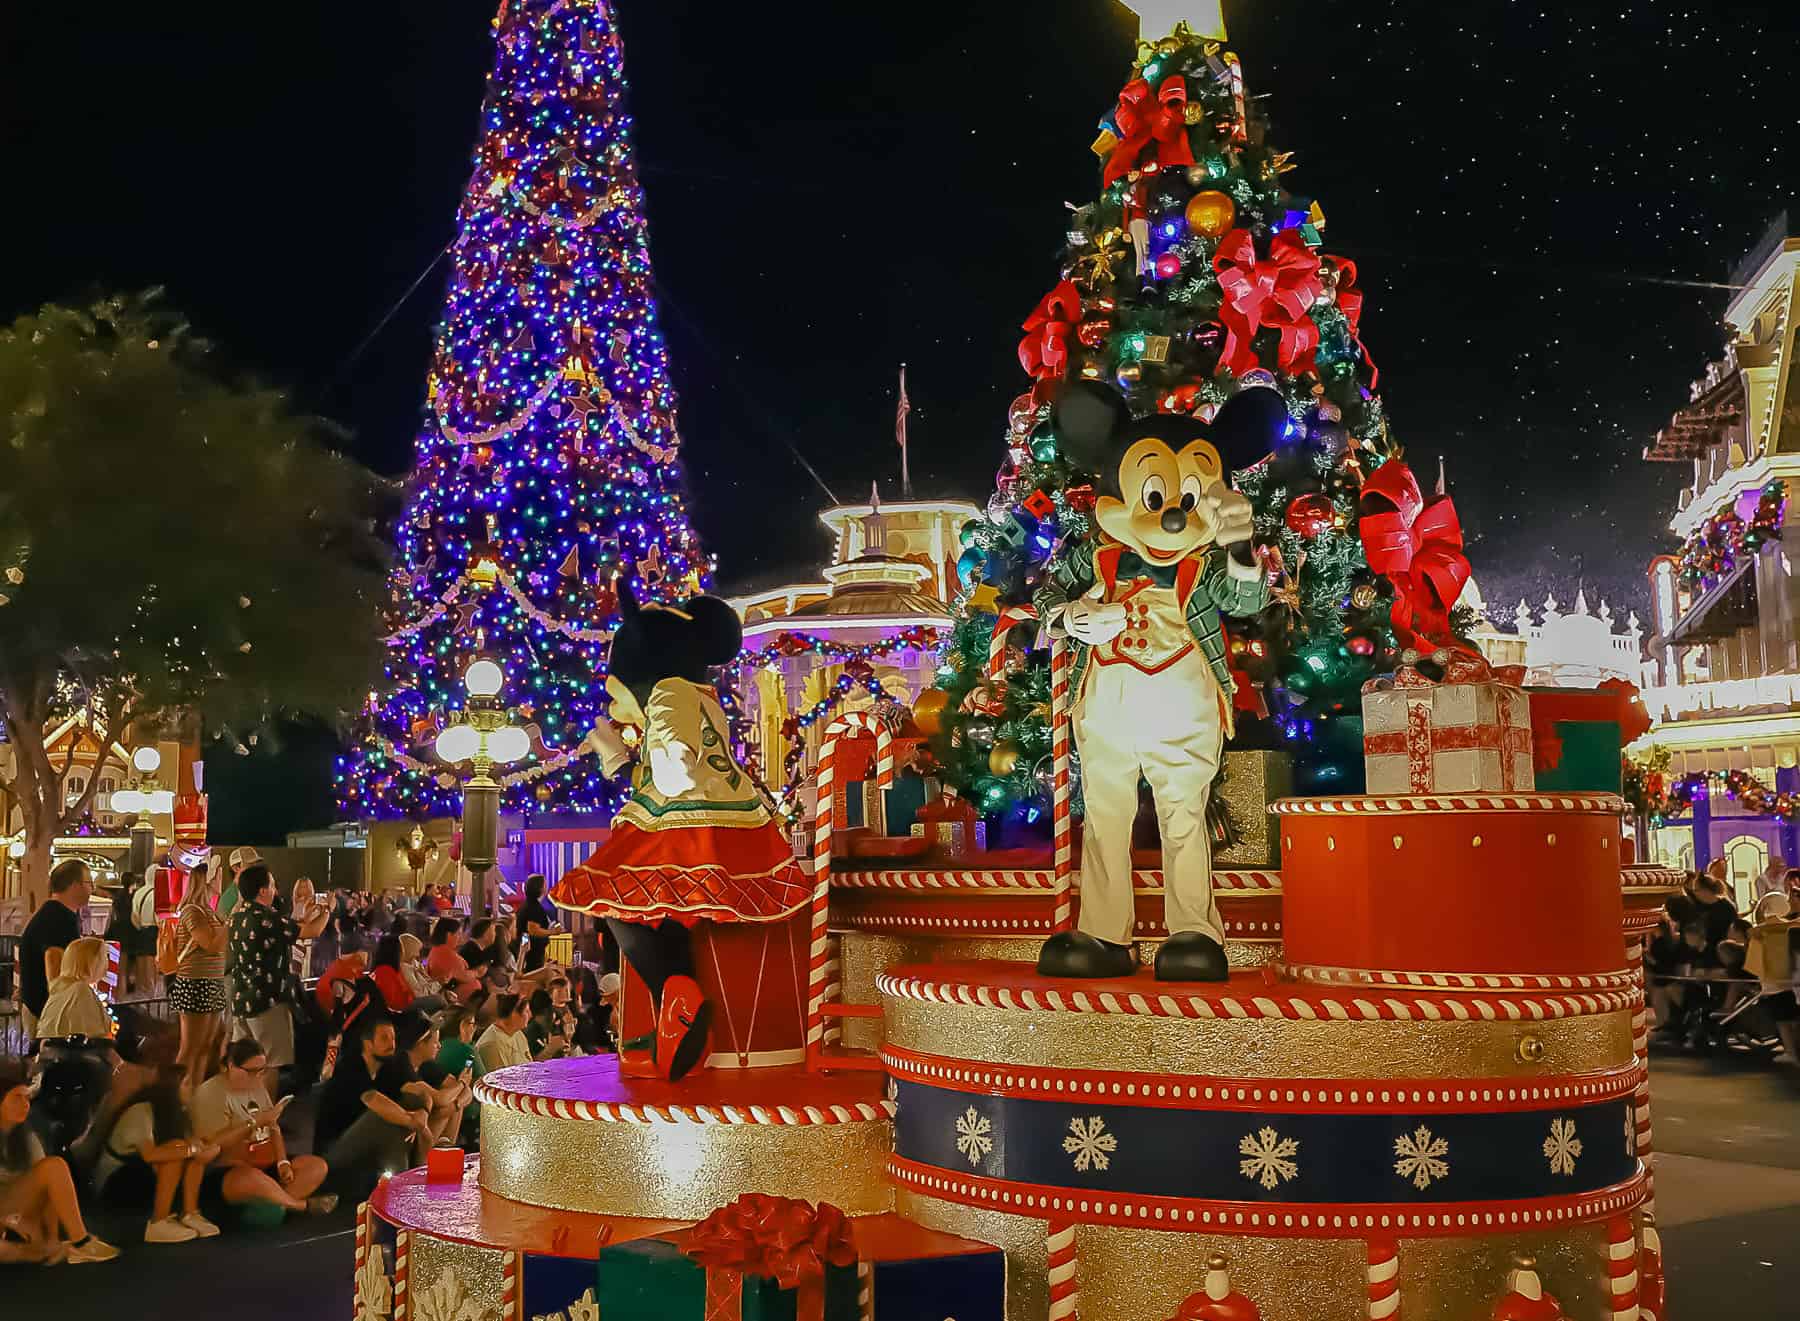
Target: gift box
x,y
901,803
759,1259
1461,735
952,826
1579,736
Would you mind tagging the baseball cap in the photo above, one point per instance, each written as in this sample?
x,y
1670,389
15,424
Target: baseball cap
x,y
244,857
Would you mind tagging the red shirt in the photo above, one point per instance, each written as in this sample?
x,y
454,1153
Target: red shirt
x,y
346,969
444,964
393,989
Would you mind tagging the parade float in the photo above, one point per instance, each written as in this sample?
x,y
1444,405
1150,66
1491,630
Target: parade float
x,y
1359,1054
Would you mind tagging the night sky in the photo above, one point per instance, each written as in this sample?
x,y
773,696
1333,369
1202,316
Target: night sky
x,y
1543,200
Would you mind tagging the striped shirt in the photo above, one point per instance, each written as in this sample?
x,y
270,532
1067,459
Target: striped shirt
x,y
198,963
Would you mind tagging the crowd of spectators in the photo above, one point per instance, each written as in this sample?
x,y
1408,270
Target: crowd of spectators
x,y
1723,978
379,1016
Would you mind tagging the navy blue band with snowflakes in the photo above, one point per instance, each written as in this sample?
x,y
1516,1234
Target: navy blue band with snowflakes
x,y
1269,1156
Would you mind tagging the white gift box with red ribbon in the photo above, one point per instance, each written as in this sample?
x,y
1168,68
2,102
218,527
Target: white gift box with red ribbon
x,y
1428,738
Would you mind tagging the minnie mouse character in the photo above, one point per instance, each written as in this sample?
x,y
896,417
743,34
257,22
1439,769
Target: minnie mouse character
x,y
695,839
1152,694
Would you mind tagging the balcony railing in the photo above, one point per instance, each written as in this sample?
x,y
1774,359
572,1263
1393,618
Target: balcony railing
x,y
1722,696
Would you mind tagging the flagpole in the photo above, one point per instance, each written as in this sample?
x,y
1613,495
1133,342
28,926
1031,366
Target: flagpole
x,y
905,409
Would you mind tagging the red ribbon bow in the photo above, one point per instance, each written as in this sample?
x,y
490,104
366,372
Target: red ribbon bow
x,y
1350,303
1144,117
1417,544
1278,291
1044,352
783,1238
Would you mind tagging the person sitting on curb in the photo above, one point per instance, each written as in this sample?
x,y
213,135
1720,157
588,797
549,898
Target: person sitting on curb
x,y
40,1216
232,1111
153,1135
364,1126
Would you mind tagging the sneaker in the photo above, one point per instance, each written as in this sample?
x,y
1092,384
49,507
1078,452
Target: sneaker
x,y
202,1227
168,1231
322,1205
91,1249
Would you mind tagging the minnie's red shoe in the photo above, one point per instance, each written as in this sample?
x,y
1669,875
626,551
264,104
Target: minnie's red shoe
x,y
681,1027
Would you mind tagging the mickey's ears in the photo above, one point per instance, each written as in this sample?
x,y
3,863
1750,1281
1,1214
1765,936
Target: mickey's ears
x,y
1086,418
1248,426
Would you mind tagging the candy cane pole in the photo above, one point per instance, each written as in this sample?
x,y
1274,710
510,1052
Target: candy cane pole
x,y
1062,805
1384,1280
402,1270
821,894
1621,1268
511,1297
1065,1288
1640,1101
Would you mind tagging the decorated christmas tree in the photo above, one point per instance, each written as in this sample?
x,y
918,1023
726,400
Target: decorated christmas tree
x,y
546,468
1194,274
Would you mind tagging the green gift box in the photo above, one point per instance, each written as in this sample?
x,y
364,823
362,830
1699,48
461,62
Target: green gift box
x,y
653,1279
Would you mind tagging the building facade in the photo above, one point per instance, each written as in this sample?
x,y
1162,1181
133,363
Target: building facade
x,y
1724,669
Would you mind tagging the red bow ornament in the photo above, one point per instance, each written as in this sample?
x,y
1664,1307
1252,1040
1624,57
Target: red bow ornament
x,y
1277,292
782,1238
1417,544
1145,117
1044,352
1350,303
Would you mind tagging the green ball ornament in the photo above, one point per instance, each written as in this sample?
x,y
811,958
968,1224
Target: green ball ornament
x,y
1043,446
969,529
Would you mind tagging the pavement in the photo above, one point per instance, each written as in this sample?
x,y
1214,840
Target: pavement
x,y
1727,1197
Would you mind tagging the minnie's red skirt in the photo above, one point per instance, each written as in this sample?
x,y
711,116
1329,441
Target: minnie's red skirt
x,y
693,872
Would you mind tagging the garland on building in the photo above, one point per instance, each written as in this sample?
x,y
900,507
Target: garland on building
x,y
1741,528
1653,792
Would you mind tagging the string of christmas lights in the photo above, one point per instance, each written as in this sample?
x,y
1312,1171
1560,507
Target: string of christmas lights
x,y
547,468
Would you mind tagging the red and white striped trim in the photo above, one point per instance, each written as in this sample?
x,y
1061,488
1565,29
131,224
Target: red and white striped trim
x,y
943,924
608,1112
1064,1270
1062,805
1621,1268
402,1275
1038,879
1635,877
1384,1280
1336,1096
1470,981
1010,617
1445,1007
1599,804
512,1292
1265,1219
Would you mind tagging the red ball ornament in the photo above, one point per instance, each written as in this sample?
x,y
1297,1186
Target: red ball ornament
x,y
1360,644
1168,266
1309,515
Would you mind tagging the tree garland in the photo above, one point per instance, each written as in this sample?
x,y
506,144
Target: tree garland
x,y
1652,792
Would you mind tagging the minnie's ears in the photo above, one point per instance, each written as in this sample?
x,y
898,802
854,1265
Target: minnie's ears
x,y
721,631
1086,418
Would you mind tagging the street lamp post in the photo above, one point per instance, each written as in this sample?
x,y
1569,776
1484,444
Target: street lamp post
x,y
484,737
145,800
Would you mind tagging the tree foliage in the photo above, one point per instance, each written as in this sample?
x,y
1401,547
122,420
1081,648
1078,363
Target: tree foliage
x,y
175,547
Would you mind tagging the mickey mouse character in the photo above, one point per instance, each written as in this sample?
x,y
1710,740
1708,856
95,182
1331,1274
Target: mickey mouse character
x,y
695,840
1152,693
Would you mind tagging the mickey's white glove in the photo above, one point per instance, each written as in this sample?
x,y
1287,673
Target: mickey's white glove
x,y
1094,623
606,742
1234,518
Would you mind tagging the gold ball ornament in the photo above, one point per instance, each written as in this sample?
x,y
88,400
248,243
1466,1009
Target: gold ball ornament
x,y
928,711
543,793
1363,595
1003,757
1210,212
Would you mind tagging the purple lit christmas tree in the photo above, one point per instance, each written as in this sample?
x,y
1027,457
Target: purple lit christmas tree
x,y
546,469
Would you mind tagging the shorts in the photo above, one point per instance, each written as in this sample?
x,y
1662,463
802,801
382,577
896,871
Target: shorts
x,y
1782,1006
142,944
273,1030
197,995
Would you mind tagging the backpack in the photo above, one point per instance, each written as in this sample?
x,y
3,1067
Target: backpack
x,y
168,946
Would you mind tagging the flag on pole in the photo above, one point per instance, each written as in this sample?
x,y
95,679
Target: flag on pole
x,y
900,435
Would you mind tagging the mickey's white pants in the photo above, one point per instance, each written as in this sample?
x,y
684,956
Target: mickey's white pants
x,y
1168,728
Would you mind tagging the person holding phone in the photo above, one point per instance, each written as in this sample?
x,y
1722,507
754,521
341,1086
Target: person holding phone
x,y
232,1111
